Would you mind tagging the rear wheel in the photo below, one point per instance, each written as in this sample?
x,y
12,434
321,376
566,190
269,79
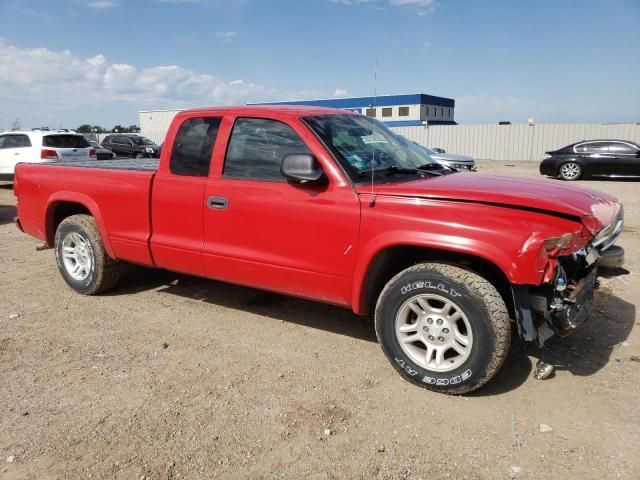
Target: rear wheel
x,y
81,258
570,171
443,328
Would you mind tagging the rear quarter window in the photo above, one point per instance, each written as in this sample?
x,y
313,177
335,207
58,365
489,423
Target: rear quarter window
x,y
619,147
592,147
65,141
193,146
14,141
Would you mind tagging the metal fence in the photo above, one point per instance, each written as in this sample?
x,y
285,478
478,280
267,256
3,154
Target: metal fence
x,y
483,141
514,142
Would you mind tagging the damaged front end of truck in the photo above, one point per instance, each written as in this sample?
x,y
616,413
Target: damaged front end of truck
x,y
569,265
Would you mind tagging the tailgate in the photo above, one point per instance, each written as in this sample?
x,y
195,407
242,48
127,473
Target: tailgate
x,y
74,153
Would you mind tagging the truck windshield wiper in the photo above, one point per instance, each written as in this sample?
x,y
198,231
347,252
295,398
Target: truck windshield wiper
x,y
391,170
429,167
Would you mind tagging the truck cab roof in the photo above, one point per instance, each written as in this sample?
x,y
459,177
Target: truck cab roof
x,y
285,110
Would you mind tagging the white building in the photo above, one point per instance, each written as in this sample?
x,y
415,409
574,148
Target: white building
x,y
154,124
411,110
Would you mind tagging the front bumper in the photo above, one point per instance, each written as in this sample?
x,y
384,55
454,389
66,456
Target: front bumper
x,y
463,167
562,307
613,257
576,307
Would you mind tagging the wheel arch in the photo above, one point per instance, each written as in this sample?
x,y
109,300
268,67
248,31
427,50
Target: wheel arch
x,y
573,159
65,204
392,259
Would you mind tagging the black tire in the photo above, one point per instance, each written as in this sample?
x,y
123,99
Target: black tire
x,y
139,155
103,273
484,310
570,171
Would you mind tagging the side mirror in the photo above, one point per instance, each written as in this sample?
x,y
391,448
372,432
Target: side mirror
x,y
301,168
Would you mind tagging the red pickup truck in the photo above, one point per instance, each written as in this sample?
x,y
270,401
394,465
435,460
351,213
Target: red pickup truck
x,y
333,206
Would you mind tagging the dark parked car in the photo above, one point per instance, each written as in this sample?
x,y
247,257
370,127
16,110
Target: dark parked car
x,y
131,146
593,158
101,152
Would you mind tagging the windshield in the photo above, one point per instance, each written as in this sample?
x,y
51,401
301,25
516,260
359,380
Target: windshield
x,y
362,143
142,141
429,151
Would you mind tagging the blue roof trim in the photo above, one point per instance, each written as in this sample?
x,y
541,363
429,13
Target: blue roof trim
x,y
381,101
403,123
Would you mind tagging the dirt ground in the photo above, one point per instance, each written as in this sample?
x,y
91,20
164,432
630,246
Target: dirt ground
x,y
175,377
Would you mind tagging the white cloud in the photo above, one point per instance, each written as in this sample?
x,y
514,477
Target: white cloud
x,y
340,92
413,3
226,37
422,7
101,5
52,82
32,13
352,2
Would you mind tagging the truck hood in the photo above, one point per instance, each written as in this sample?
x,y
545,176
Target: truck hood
x,y
547,196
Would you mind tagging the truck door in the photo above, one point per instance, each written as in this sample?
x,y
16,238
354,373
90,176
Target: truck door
x,y
126,145
625,158
597,158
263,231
177,201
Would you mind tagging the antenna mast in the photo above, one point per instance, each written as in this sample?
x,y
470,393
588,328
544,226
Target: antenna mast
x,y
372,200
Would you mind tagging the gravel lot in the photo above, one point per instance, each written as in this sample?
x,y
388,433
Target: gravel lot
x,y
175,377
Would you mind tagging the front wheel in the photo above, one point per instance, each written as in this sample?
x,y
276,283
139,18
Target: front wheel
x,y
443,328
570,171
81,257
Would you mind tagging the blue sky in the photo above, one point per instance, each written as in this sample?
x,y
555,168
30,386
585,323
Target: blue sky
x,y
67,62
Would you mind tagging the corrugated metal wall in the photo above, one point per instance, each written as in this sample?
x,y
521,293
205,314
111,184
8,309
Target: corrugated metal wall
x,y
483,142
514,142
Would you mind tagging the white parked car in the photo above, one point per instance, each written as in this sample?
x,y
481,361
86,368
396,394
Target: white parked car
x,y
36,146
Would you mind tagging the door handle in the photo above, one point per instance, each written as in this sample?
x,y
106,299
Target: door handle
x,y
218,203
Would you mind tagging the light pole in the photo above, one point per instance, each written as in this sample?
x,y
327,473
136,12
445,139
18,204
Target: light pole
x,y
532,136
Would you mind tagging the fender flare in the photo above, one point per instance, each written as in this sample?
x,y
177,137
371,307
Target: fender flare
x,y
85,201
501,258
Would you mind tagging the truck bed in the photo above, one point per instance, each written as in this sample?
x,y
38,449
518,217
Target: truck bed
x,y
117,194
136,164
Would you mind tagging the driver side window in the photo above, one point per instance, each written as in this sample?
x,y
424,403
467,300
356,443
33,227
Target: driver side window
x,y
257,147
